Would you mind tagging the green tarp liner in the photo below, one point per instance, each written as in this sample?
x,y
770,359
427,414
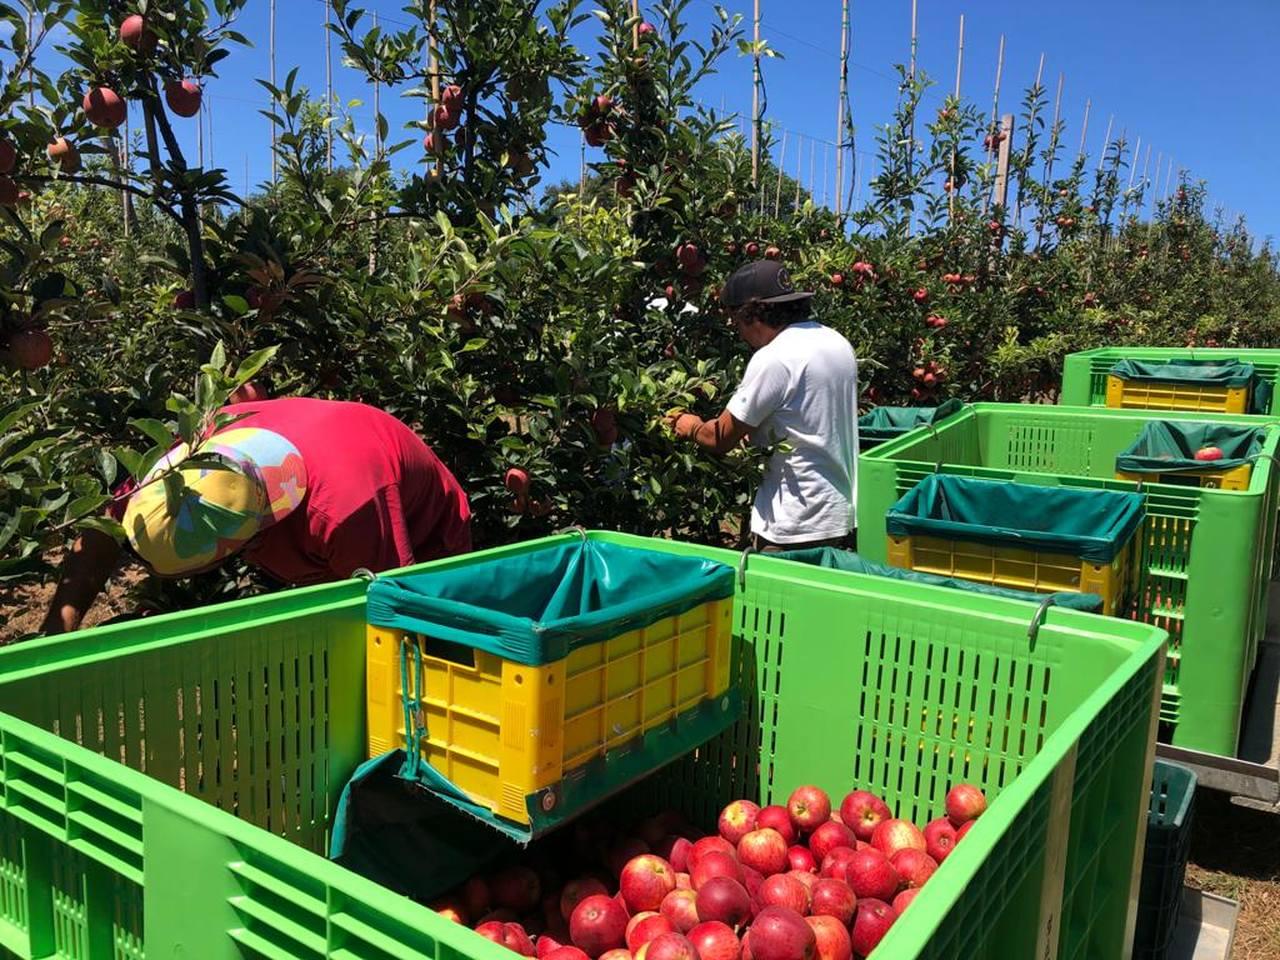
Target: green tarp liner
x,y
850,562
1167,447
1210,373
885,423
535,607
1094,525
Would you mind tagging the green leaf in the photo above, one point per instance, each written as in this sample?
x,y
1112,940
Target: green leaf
x,y
253,363
108,467
83,506
155,431
103,525
173,488
218,359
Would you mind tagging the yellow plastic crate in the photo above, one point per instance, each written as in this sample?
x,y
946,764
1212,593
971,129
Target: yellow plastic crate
x,y
1237,478
1145,395
502,731
1005,566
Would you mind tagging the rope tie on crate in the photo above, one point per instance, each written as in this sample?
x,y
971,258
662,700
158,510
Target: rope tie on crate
x,y
415,728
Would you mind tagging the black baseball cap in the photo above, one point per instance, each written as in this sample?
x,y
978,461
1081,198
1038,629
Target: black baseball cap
x,y
765,281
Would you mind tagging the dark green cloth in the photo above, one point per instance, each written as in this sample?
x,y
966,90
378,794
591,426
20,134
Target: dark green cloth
x,y
1094,525
1168,447
535,607
885,423
853,563
1215,373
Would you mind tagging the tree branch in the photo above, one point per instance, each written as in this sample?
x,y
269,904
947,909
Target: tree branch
x,y
99,182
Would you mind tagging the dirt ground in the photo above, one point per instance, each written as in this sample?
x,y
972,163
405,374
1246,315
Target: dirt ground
x,y
22,608
1235,852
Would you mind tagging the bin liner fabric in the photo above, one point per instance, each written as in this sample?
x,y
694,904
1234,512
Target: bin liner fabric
x,y
1214,373
533,608
885,423
835,559
1167,447
1094,525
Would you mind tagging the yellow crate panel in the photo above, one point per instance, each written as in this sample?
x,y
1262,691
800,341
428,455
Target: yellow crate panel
x,y
501,730
1237,478
1144,395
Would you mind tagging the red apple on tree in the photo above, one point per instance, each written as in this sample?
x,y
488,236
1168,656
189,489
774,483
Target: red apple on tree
x,y
64,153
183,97
135,35
752,248
104,108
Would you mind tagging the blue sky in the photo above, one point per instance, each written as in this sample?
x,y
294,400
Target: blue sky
x,y
1195,82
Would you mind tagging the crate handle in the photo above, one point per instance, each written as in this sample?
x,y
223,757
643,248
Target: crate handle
x,y
1033,628
363,573
742,567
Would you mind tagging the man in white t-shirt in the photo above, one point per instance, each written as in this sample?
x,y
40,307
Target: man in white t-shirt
x,y
800,392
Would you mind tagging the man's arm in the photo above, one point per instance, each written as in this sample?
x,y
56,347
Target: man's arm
x,y
85,571
717,436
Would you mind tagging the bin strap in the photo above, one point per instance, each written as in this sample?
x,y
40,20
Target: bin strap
x,y
415,730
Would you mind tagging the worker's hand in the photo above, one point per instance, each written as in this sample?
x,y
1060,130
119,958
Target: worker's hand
x,y
683,424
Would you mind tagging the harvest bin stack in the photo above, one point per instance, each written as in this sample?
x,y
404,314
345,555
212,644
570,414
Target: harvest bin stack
x,y
1206,553
167,786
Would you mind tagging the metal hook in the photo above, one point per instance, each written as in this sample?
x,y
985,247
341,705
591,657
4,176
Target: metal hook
x,y
742,567
364,573
933,432
1033,629
582,531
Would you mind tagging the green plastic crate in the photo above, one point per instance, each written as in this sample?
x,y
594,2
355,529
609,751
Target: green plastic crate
x,y
1164,865
213,745
1084,374
1206,553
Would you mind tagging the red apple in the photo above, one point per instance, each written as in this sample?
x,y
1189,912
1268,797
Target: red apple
x,y
914,866
862,811
725,900
777,818
965,828
921,296
623,852
714,940
781,934
644,927
135,35
670,946
183,97
509,935
752,248
104,108
828,837
772,253
764,850
873,921
835,863
452,96
547,944
837,279
713,865
681,908
903,899
516,888
870,874
714,843
575,891
64,153
939,838
809,807
475,897
805,877
738,819
1208,454
566,953
31,349
784,890
684,881
965,802
8,157
832,937
646,31
833,898
451,908
645,880
598,923
675,850
801,858
621,953
894,835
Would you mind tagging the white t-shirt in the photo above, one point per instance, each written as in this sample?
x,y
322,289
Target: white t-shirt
x,y
802,388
